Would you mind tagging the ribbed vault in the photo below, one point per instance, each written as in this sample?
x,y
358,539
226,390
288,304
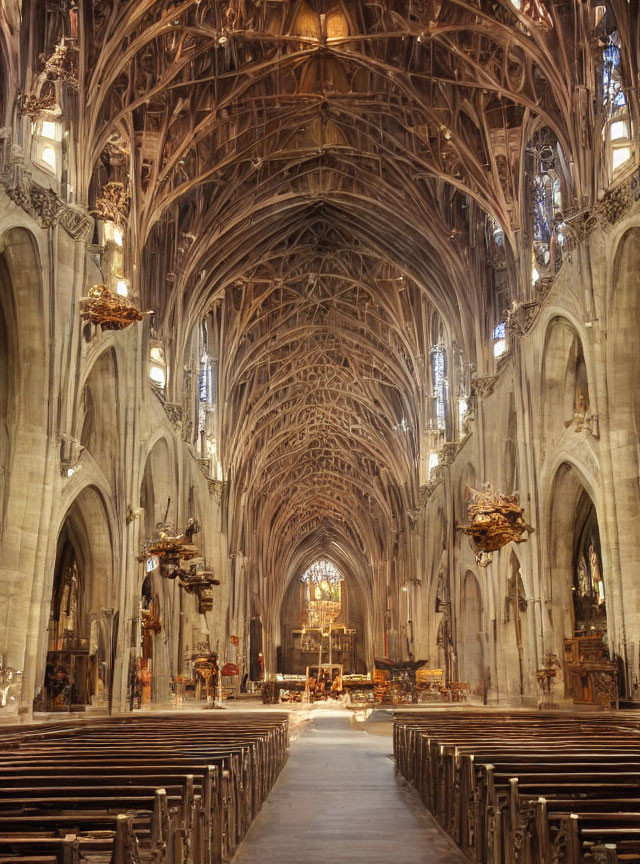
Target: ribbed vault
x,y
323,385
319,179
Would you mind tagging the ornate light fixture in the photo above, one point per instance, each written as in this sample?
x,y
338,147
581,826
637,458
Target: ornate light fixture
x,y
171,546
199,579
495,519
111,311
112,205
173,550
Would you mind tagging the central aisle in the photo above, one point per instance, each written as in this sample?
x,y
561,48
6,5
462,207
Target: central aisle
x,y
338,799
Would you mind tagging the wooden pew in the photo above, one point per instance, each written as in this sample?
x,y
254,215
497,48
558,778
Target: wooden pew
x,y
493,780
180,787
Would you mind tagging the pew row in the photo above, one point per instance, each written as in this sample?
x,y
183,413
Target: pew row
x,y
174,789
527,788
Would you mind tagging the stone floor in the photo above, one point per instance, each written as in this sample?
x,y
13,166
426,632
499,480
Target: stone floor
x,y
338,800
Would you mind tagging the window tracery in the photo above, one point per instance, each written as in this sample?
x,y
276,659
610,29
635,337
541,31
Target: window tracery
x,y
439,385
323,593
500,339
546,206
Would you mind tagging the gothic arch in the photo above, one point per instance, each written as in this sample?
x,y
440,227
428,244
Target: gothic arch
x,y
516,636
23,436
623,353
23,302
99,418
623,370
570,504
85,542
470,642
158,486
565,391
9,385
159,500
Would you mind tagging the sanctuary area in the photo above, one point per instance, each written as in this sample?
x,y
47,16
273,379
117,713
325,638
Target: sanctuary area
x,y
319,424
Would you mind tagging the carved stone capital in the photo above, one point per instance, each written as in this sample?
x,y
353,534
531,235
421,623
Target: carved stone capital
x,y
41,204
187,382
205,467
613,206
427,490
71,452
481,387
522,315
174,412
187,429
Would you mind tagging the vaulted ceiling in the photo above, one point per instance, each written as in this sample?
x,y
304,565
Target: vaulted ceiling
x,y
322,172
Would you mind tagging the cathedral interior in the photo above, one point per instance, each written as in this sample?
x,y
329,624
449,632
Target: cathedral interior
x,y
318,414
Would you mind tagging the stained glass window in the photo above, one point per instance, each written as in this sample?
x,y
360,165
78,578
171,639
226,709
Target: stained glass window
x,y
500,339
500,330
324,592
322,571
207,380
543,207
615,103
439,383
612,92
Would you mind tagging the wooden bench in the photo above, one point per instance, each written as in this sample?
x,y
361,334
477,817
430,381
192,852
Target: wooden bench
x,y
525,788
175,788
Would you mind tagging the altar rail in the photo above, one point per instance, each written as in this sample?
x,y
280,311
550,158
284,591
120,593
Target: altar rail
x,y
176,789
520,788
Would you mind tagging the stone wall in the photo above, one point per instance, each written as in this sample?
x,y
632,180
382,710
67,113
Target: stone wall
x,y
527,436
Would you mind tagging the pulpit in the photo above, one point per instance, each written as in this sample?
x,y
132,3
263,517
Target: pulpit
x,y
591,676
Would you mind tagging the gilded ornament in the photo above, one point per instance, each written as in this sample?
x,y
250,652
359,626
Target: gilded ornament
x,y
109,310
495,519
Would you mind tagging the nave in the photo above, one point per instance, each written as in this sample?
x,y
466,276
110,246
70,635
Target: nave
x,y
318,391
324,783
339,799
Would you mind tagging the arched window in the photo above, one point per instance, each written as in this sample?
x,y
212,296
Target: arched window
x,y
439,385
617,128
207,380
438,379
546,205
207,397
323,600
588,581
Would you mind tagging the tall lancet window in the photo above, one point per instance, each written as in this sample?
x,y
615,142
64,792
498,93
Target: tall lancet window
x,y
439,385
207,379
614,100
546,201
207,397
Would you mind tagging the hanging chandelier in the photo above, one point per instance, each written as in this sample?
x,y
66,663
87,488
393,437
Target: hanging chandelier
x,y
199,580
171,546
177,558
495,519
109,310
112,205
